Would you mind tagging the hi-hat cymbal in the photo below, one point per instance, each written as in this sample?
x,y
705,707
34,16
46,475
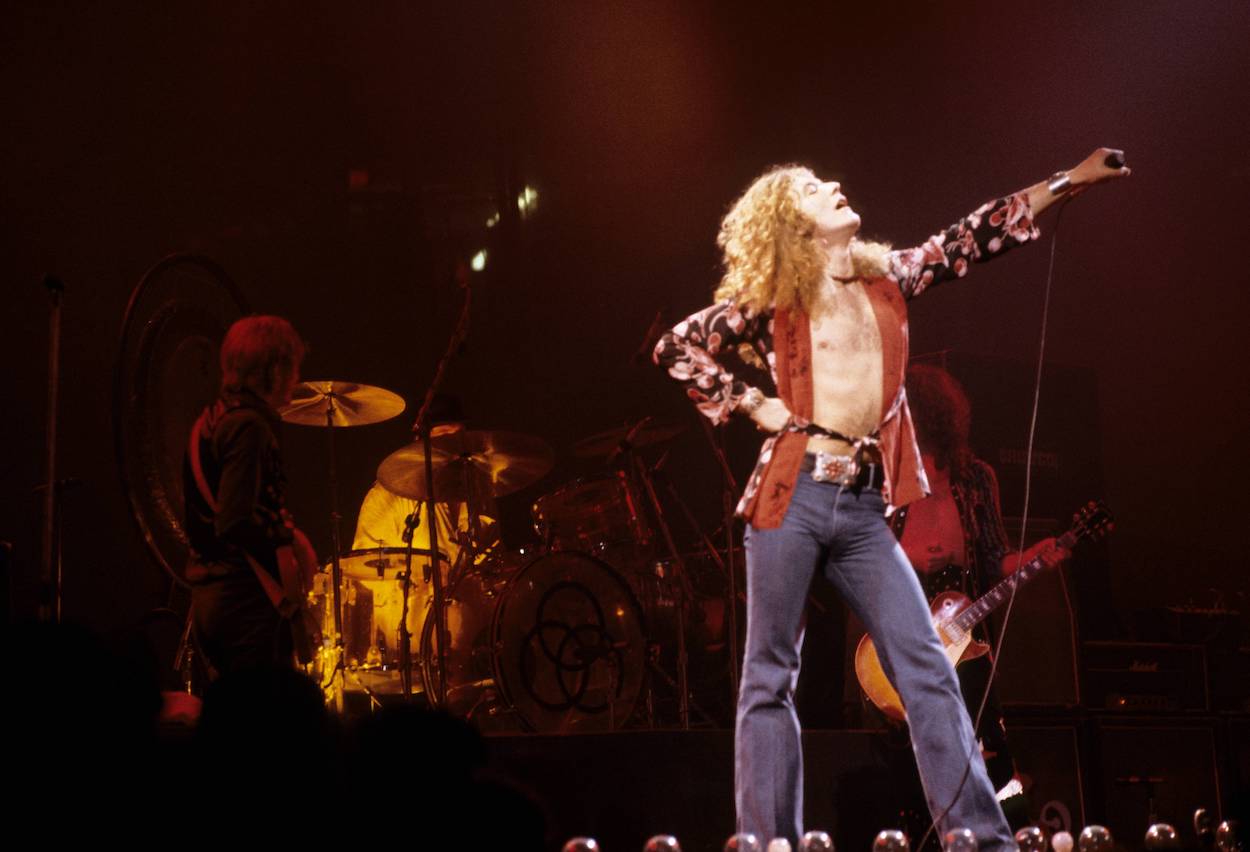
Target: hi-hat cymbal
x,y
349,404
642,433
468,464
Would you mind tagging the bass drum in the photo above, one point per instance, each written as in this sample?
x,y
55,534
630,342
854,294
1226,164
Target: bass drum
x,y
471,599
570,650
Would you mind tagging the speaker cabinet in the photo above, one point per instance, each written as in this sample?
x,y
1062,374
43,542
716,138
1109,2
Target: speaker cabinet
x,y
1152,770
1048,761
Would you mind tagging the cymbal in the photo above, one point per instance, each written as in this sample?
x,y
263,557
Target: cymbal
x,y
351,404
476,464
645,432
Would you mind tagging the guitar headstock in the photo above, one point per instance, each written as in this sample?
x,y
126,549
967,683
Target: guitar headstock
x,y
1092,521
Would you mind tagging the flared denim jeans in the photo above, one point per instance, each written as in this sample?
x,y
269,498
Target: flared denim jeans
x,y
842,532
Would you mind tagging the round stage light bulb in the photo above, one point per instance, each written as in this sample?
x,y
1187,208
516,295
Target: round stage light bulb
x,y
1095,838
1228,836
1162,836
778,844
581,844
891,840
1031,839
959,840
816,841
1061,842
743,842
478,263
662,843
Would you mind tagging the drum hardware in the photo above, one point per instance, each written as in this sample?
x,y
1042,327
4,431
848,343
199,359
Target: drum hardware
x,y
614,442
469,466
472,467
597,515
643,473
729,488
423,429
725,565
567,645
333,405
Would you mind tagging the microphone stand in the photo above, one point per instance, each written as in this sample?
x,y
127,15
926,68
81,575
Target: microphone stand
x,y
50,567
729,489
421,429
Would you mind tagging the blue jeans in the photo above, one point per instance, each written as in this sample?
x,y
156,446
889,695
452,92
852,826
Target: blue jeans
x,y
842,531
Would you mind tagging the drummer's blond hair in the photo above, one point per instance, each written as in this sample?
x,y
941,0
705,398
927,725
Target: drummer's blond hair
x,y
769,255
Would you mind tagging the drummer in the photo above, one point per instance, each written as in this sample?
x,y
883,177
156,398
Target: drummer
x,y
383,515
462,530
470,523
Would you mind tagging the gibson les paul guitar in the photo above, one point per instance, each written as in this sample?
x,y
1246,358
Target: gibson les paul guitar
x,y
954,615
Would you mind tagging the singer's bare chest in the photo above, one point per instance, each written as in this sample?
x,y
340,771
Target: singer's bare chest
x,y
847,360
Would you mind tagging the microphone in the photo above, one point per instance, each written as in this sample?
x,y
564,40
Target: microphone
x,y
1114,160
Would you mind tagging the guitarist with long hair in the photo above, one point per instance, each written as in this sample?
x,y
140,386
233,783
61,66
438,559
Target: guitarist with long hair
x,y
247,558
955,540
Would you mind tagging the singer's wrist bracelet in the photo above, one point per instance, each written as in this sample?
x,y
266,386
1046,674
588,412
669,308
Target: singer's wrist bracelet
x,y
751,401
1059,183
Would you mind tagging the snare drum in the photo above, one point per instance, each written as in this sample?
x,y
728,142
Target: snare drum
x,y
373,603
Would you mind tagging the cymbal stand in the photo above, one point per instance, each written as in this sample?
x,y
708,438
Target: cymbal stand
x,y
730,563
725,565
411,522
680,583
421,428
336,570
336,574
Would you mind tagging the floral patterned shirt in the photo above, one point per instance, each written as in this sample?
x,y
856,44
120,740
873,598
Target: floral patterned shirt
x,y
693,351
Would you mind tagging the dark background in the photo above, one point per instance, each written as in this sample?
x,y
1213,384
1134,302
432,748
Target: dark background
x,y
135,130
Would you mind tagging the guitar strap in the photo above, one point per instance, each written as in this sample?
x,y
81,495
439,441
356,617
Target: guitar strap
x,y
273,590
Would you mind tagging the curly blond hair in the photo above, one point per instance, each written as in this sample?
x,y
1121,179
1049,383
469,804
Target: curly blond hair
x,y
769,255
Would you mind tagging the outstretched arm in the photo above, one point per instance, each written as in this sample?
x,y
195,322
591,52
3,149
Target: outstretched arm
x,y
993,228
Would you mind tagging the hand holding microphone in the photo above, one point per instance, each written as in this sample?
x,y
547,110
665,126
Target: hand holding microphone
x,y
1102,165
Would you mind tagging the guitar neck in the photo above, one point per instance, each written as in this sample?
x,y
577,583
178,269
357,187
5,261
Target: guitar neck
x,y
1001,593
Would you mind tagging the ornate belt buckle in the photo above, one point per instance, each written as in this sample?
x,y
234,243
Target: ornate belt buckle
x,y
840,470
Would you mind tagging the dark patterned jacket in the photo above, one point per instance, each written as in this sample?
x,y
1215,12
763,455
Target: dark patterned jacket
x,y
242,464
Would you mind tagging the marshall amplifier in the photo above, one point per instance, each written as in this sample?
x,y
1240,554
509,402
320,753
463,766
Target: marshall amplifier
x,y
1144,677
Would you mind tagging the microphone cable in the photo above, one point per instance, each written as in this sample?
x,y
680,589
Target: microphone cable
x,y
1024,520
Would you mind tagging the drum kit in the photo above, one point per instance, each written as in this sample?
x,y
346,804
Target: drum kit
x,y
585,632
